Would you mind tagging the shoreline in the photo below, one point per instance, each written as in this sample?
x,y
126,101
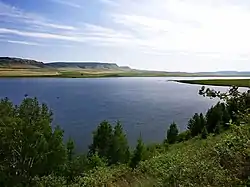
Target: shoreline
x,y
219,82
117,75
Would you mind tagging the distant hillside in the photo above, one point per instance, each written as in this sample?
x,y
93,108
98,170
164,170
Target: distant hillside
x,y
83,65
226,73
8,62
19,63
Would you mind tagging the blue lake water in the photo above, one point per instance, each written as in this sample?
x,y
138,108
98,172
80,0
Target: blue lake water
x,y
145,106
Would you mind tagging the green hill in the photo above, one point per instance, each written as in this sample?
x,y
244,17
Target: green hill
x,y
217,161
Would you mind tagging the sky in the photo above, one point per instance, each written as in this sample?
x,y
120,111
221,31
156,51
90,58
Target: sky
x,y
169,35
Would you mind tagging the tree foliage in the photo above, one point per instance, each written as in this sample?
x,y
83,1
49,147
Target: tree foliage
x,y
216,120
119,149
95,161
172,133
70,146
28,144
204,133
139,154
110,143
184,136
70,149
102,139
236,102
196,124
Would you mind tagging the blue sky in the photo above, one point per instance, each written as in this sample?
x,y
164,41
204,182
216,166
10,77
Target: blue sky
x,y
172,35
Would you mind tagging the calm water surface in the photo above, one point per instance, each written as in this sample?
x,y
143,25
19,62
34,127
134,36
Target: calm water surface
x,y
143,105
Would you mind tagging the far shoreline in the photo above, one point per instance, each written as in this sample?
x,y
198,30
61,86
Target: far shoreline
x,y
127,74
219,82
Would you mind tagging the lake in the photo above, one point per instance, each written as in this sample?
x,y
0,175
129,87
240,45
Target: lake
x,y
144,106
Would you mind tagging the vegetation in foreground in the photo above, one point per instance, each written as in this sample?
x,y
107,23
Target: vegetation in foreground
x,y
220,82
214,151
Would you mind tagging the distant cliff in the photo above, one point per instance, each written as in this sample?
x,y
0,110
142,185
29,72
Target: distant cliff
x,y
8,62
83,65
19,63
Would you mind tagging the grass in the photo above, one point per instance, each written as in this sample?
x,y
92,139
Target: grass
x,y
10,72
220,82
87,73
74,73
79,73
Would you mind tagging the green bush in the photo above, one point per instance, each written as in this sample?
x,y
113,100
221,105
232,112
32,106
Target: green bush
x,y
184,136
49,181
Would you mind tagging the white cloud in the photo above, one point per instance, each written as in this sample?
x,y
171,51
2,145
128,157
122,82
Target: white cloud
x,y
36,26
202,34
38,34
53,25
67,3
91,30
193,26
93,35
22,42
162,26
10,13
109,2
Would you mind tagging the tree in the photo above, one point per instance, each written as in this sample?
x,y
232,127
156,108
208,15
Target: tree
x,y
139,153
77,167
202,122
95,161
28,144
102,139
70,149
214,118
196,124
204,133
184,136
119,149
70,168
237,103
218,128
225,116
172,133
57,156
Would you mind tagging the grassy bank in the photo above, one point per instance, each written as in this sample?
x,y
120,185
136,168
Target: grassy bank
x,y
220,82
216,161
76,73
